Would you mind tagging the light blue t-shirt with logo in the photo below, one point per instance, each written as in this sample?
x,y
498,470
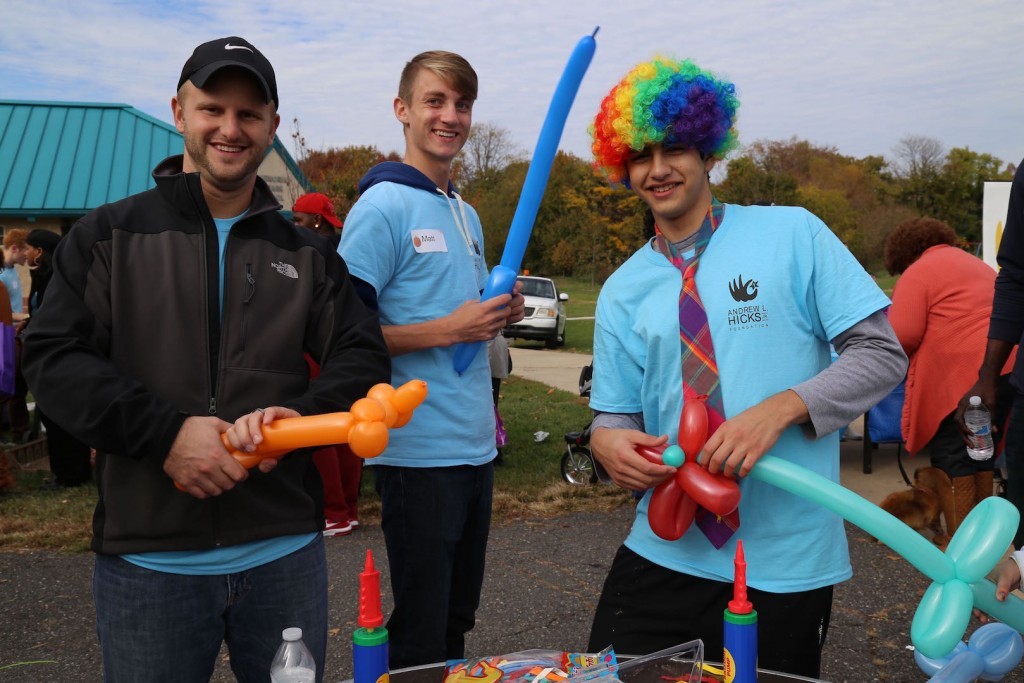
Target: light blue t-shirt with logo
x,y
777,285
422,253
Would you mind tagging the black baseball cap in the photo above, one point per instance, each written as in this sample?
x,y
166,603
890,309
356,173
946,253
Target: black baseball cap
x,y
211,57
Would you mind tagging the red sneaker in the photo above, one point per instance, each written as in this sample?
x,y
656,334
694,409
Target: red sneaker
x,y
337,529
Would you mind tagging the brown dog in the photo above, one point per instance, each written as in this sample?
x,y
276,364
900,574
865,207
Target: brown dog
x,y
918,507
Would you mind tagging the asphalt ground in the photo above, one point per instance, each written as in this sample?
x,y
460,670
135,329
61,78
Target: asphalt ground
x,y
543,579
542,584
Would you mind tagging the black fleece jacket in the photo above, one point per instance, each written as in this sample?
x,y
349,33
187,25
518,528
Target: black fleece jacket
x,y
133,338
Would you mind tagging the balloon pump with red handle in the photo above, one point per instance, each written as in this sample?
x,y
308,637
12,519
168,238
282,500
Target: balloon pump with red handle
x,y
740,655
370,640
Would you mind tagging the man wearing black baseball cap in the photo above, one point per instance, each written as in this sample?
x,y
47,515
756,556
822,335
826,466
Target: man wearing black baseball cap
x,y
179,316
213,56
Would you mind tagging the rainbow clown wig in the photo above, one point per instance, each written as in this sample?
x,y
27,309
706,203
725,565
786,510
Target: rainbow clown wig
x,y
664,101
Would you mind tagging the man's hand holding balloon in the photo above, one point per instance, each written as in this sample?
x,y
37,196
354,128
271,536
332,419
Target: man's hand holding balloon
x,y
246,434
517,306
199,463
481,321
739,442
616,450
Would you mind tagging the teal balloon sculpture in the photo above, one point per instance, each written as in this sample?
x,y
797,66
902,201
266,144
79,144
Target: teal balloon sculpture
x,y
958,575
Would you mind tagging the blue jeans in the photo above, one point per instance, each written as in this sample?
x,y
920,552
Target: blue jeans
x,y
435,522
155,626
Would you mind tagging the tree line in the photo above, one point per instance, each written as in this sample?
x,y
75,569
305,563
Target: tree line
x,y
586,228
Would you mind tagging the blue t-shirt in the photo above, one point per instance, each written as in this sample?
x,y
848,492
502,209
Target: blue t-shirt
x,y
12,281
229,559
422,253
777,285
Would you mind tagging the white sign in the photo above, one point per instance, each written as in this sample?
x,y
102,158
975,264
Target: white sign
x,y
993,219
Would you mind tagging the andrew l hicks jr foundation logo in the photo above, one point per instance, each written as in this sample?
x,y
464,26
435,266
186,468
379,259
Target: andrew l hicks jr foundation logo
x,y
743,291
749,316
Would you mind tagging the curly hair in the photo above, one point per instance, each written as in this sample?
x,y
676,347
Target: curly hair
x,y
911,238
664,101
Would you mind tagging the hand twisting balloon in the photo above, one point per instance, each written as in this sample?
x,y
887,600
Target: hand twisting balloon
x,y
364,427
675,500
993,651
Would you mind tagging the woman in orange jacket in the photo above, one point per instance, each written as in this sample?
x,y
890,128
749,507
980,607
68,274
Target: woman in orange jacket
x,y
940,312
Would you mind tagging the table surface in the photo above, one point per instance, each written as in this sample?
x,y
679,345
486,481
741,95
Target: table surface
x,y
431,673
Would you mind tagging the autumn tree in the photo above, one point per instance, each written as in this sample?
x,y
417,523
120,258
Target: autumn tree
x,y
488,151
336,172
961,189
916,167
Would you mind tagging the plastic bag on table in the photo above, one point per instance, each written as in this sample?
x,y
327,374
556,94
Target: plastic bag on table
x,y
533,666
681,663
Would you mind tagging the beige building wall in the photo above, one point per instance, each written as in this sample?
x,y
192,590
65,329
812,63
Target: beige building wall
x,y
281,181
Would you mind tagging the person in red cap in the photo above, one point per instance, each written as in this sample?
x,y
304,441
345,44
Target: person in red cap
x,y
340,469
315,211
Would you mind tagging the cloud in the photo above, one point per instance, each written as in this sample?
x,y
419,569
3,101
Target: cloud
x,y
857,76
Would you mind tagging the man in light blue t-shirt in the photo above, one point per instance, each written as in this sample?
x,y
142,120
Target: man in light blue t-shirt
x,y
416,250
776,286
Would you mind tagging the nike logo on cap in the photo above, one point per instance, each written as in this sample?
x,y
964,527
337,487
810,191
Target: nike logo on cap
x,y
229,46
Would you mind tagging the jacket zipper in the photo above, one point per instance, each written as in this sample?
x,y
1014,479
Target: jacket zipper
x,y
212,300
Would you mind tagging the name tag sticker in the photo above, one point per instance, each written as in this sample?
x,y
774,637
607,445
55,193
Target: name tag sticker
x,y
425,241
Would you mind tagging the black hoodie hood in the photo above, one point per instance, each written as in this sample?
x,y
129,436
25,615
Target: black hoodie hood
x,y
403,174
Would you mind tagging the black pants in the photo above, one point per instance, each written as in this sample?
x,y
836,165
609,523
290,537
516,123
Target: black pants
x,y
435,522
69,457
645,607
948,452
1015,463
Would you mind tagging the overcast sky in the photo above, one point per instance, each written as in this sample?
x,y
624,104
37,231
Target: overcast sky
x,y
856,75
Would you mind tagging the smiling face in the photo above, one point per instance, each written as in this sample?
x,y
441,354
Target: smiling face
x,y
436,119
227,128
673,182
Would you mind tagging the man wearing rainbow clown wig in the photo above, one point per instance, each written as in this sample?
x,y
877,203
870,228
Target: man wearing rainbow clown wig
x,y
767,289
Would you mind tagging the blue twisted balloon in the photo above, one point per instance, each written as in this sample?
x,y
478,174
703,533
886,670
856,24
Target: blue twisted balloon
x,y
503,276
993,651
958,574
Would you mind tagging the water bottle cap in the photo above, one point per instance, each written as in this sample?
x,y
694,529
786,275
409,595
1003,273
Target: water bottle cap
x,y
975,400
294,633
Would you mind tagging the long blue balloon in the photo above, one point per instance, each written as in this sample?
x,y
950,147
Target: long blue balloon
x,y
503,277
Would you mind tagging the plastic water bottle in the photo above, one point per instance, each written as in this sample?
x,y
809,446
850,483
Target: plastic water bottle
x,y
979,421
293,662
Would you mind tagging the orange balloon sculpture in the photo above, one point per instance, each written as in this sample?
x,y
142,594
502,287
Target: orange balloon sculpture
x,y
364,427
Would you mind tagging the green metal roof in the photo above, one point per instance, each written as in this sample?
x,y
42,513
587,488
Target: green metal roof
x,y
66,158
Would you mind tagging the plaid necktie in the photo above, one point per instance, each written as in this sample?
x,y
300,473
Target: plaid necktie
x,y
700,371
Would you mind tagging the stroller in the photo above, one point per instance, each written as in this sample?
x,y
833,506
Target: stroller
x,y
577,461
